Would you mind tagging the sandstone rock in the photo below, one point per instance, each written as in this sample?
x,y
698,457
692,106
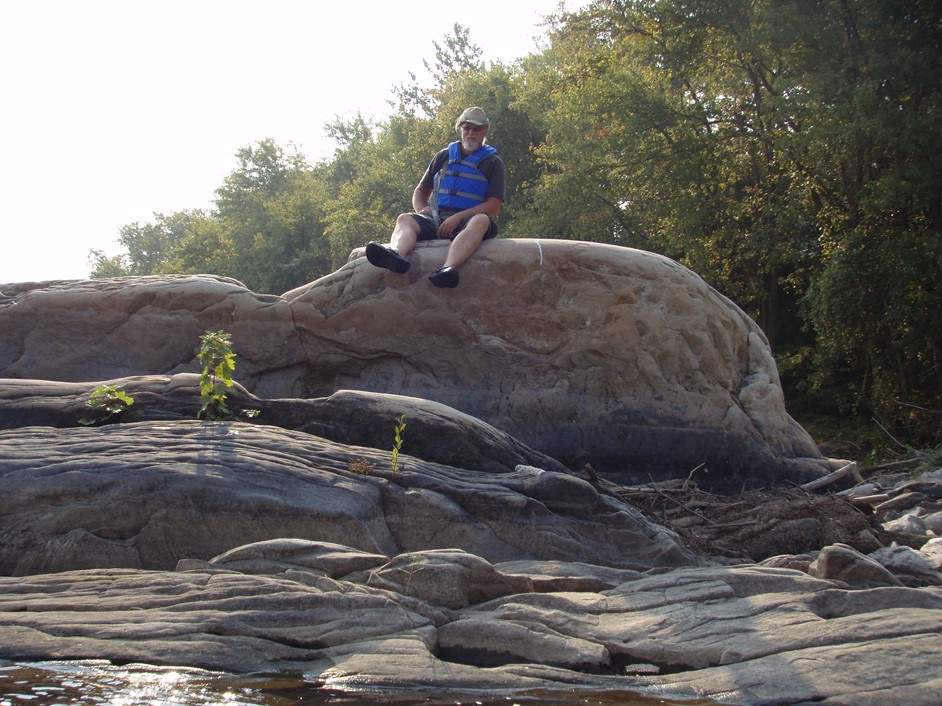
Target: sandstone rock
x,y
86,330
906,508
275,556
840,562
933,522
636,361
148,494
483,563
799,562
559,576
828,675
911,566
910,524
933,550
901,502
595,353
450,578
743,635
225,620
489,643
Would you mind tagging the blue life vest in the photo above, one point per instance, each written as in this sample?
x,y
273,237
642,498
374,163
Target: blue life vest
x,y
461,184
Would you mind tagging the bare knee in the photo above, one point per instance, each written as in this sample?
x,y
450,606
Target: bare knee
x,y
406,225
478,221
405,234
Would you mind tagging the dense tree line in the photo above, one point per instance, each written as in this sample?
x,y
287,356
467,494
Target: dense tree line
x,y
788,151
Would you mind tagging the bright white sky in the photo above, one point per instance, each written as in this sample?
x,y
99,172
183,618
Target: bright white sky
x,y
113,110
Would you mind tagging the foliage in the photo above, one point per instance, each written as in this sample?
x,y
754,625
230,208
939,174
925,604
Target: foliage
x,y
455,58
271,209
106,401
874,304
370,182
416,562
102,265
206,246
397,441
150,246
267,229
218,360
665,132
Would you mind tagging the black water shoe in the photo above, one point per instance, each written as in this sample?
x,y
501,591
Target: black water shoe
x,y
387,258
445,277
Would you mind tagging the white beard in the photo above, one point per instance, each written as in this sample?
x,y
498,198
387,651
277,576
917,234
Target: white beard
x,y
470,146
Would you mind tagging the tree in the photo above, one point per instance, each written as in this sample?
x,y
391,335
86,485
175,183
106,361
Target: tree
x,y
272,213
102,265
874,100
268,230
666,131
456,57
149,247
205,248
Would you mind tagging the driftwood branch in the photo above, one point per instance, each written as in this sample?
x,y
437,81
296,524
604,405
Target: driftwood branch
x,y
830,478
684,506
894,464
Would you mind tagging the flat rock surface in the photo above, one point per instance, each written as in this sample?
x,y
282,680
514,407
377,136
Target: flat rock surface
x,y
740,635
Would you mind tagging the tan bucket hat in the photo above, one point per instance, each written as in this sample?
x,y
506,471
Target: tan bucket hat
x,y
475,116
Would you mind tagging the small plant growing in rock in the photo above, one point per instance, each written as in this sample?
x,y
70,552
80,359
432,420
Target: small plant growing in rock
x,y
413,567
218,365
361,466
218,361
397,441
106,401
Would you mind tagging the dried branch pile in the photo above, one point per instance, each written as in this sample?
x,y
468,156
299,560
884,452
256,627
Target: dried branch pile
x,y
755,524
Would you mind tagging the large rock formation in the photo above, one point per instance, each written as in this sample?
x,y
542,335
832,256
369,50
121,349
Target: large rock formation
x,y
588,353
487,558
248,548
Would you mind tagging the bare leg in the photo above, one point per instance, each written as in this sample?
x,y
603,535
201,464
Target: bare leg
x,y
403,239
405,234
467,241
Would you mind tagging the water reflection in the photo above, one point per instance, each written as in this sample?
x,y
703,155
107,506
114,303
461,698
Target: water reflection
x,y
83,683
94,682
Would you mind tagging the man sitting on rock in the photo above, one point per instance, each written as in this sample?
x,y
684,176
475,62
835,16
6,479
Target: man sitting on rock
x,y
458,197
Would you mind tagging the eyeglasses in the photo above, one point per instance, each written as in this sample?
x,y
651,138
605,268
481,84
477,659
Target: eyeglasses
x,y
472,128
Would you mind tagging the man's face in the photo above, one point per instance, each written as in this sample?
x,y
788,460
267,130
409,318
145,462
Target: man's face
x,y
472,136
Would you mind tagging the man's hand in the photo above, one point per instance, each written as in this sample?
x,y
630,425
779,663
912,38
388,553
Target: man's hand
x,y
448,226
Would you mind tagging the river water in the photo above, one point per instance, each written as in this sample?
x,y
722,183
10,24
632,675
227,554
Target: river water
x,y
101,683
